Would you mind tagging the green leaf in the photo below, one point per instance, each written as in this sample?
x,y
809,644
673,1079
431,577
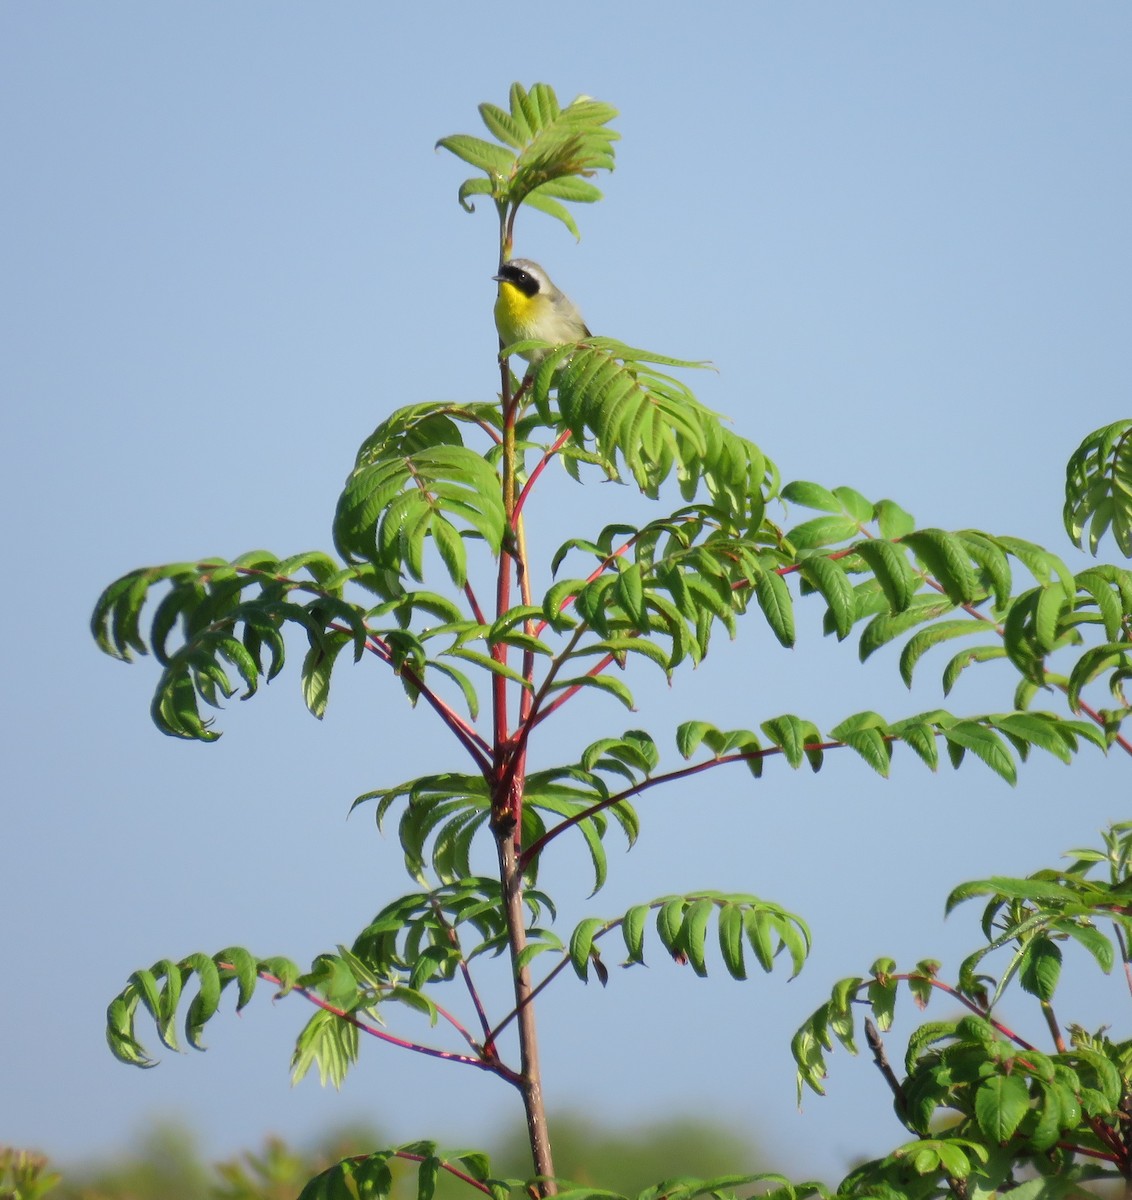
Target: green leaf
x,y
920,735
669,921
984,743
1098,488
823,531
791,734
1040,968
581,945
1097,944
488,663
329,1043
317,667
920,643
854,504
120,1031
503,125
774,599
946,558
238,962
475,151
690,734
693,933
605,683
893,521
885,627
993,562
961,661
631,595
811,495
206,1001
1000,1104
829,578
760,934
633,931
873,747
450,546
427,1174
796,939
731,933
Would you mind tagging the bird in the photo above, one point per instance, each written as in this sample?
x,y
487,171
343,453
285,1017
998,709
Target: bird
x,y
529,307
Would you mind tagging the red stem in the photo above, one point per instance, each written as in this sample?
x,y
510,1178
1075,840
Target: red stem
x,y
454,1171
599,571
474,604
1112,1158
558,701
495,1067
468,737
469,984
654,781
979,1011
540,466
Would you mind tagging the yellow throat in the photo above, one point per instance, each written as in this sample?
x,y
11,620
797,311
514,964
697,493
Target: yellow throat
x,y
517,315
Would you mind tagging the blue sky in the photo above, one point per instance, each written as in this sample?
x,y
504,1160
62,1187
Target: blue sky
x,y
899,231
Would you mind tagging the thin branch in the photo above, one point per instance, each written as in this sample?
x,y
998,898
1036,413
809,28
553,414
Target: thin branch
x,y
444,1166
655,781
469,983
600,570
880,1057
1120,740
466,734
526,696
540,466
474,604
495,1067
971,610
1122,942
1112,1158
967,1002
1053,1026
551,975
476,746
572,691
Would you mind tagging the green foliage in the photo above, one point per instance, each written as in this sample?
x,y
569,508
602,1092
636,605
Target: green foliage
x,y
994,738
433,508
450,810
1098,488
543,154
163,1163
682,923
278,1173
24,1175
1002,1101
916,579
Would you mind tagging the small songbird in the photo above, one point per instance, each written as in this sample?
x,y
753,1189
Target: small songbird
x,y
530,306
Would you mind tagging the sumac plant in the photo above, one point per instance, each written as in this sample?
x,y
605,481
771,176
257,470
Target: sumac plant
x,y
437,499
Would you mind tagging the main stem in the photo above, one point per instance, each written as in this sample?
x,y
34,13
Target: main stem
x,y
530,1075
507,818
